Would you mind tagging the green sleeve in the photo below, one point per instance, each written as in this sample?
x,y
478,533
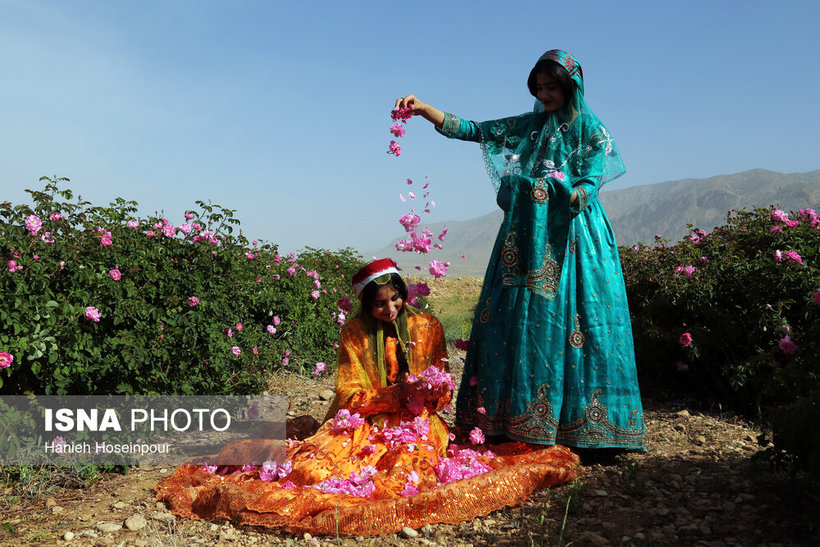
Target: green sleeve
x,y
458,128
588,166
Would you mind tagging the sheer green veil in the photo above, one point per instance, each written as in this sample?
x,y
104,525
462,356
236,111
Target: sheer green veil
x,y
571,141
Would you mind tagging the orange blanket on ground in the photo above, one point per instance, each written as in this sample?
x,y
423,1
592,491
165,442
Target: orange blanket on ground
x,y
295,504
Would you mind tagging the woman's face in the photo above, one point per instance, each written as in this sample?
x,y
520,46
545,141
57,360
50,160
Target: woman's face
x,y
387,304
549,92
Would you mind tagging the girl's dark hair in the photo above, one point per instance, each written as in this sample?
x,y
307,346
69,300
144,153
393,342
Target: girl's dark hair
x,y
370,290
556,72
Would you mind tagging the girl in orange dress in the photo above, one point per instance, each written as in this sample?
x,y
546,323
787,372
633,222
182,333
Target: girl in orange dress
x,y
383,458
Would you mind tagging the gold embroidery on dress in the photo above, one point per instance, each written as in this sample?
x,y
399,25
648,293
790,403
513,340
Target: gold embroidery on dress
x,y
544,280
576,337
539,192
484,316
539,424
510,258
451,123
583,196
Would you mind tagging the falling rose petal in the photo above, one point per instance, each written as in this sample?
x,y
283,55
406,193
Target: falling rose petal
x,y
412,195
427,210
403,199
438,246
409,181
426,185
433,203
462,255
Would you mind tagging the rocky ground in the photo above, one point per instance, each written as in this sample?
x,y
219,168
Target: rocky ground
x,y
699,484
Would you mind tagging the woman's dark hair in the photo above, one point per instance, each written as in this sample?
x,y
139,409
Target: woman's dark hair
x,y
370,290
556,72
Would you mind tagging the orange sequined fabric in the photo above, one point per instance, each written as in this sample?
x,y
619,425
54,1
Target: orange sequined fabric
x,y
293,503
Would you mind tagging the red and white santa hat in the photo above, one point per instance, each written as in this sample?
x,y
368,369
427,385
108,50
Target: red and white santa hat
x,y
375,269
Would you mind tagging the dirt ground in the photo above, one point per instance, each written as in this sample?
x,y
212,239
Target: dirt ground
x,y
698,484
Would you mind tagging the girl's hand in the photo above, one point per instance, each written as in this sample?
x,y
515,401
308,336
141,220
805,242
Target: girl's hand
x,y
420,108
434,398
415,105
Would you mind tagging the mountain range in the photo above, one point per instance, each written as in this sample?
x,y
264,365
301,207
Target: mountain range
x,y
636,213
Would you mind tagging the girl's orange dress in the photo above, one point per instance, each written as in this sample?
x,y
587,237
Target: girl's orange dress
x,y
403,482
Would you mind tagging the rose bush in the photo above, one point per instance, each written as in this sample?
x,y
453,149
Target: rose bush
x,y
730,317
99,301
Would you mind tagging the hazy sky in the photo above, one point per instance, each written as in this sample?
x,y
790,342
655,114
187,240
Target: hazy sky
x,y
280,110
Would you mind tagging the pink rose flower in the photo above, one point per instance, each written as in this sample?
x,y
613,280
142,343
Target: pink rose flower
x,y
193,301
410,221
787,346
255,350
315,295
93,314
189,216
33,224
401,114
115,274
778,255
105,241
394,149
132,224
438,269
55,216
320,369
6,359
239,326
271,329
557,175
792,255
13,267
685,339
236,351
477,436
397,129
779,215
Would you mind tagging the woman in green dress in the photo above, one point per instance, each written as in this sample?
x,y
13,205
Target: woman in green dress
x,y
551,358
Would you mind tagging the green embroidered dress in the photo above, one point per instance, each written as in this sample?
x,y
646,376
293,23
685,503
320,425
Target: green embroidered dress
x,y
551,357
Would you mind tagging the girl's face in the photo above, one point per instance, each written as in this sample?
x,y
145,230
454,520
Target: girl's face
x,y
549,92
387,304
